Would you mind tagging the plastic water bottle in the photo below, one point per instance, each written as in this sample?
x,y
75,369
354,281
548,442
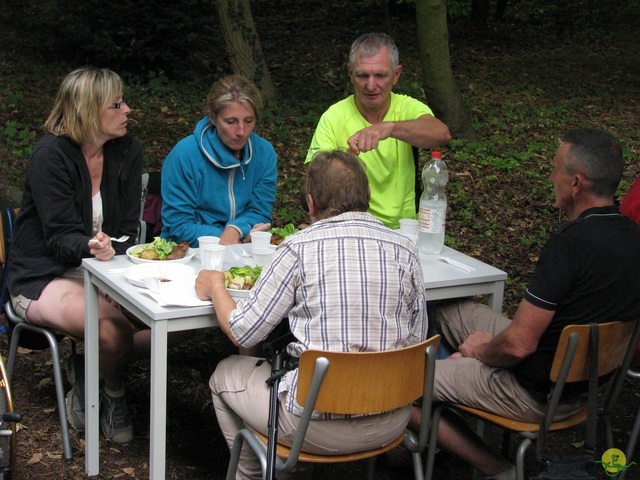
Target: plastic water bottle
x,y
433,205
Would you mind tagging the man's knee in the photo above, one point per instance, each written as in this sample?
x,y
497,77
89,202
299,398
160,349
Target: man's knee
x,y
233,373
454,308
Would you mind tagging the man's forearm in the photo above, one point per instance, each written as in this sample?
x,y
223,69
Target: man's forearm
x,y
423,132
496,354
224,305
495,351
519,340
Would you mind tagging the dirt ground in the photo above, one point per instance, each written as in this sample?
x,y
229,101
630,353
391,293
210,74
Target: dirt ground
x,y
195,449
518,207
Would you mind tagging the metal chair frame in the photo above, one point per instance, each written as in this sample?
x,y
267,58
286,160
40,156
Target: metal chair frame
x,y
142,229
570,365
18,325
635,430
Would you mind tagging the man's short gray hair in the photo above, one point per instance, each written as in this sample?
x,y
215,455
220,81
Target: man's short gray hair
x,y
370,43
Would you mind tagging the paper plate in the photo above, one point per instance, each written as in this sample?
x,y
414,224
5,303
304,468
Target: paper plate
x,y
163,271
238,294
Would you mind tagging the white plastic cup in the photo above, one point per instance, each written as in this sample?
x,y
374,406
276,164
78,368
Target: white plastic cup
x,y
208,240
413,238
262,256
212,256
409,226
260,240
203,242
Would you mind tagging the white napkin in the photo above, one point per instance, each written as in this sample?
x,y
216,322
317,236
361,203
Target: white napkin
x,y
177,294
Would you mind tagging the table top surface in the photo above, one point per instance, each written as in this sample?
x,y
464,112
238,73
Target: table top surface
x,y
437,274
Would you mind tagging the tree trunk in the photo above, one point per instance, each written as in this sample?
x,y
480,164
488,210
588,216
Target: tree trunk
x,y
441,89
243,44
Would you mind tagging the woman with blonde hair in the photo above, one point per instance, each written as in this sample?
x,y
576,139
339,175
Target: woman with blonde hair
x,y
82,186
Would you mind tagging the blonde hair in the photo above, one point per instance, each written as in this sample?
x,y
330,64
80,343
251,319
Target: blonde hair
x,y
84,95
233,88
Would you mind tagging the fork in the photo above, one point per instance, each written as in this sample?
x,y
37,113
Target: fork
x,y
235,255
123,238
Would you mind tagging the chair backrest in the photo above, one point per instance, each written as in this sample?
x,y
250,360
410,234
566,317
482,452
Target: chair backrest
x,y
6,232
151,209
614,338
142,228
366,382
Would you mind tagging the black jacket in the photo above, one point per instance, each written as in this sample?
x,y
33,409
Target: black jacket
x,y
55,220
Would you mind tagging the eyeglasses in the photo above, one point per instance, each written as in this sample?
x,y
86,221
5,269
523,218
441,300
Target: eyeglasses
x,y
117,105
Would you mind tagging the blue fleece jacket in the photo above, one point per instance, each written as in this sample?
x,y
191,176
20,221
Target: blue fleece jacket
x,y
205,188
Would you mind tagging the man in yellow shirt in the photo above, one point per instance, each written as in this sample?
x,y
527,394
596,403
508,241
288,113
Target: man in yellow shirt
x,y
380,127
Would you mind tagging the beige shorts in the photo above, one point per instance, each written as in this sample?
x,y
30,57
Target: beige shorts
x,y
470,382
21,303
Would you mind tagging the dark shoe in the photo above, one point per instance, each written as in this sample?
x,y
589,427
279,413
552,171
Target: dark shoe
x,y
75,397
115,419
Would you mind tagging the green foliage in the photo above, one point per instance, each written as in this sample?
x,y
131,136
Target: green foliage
x,y
525,82
19,139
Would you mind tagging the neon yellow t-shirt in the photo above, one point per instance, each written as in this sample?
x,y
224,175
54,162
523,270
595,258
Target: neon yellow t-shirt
x,y
390,167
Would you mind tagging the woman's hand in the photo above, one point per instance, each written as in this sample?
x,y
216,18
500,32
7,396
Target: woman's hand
x,y
100,247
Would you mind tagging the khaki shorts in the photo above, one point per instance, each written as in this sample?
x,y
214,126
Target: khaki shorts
x,y
21,303
470,382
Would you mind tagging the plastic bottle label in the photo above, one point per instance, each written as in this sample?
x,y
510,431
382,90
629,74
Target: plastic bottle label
x,y
432,220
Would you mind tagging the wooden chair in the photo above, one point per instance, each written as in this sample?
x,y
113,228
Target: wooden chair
x,y
617,342
351,383
30,336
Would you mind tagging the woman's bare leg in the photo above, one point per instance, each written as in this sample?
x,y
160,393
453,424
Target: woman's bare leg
x,y
61,308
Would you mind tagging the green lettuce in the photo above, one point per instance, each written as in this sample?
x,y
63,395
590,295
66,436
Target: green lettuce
x,y
246,271
241,278
160,245
285,231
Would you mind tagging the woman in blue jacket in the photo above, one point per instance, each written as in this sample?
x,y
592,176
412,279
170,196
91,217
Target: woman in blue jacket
x,y
221,180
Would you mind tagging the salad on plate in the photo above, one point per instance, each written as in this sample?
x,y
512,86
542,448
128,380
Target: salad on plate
x,y
160,249
241,278
278,234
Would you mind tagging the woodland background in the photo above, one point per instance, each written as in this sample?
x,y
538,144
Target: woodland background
x,y
525,77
